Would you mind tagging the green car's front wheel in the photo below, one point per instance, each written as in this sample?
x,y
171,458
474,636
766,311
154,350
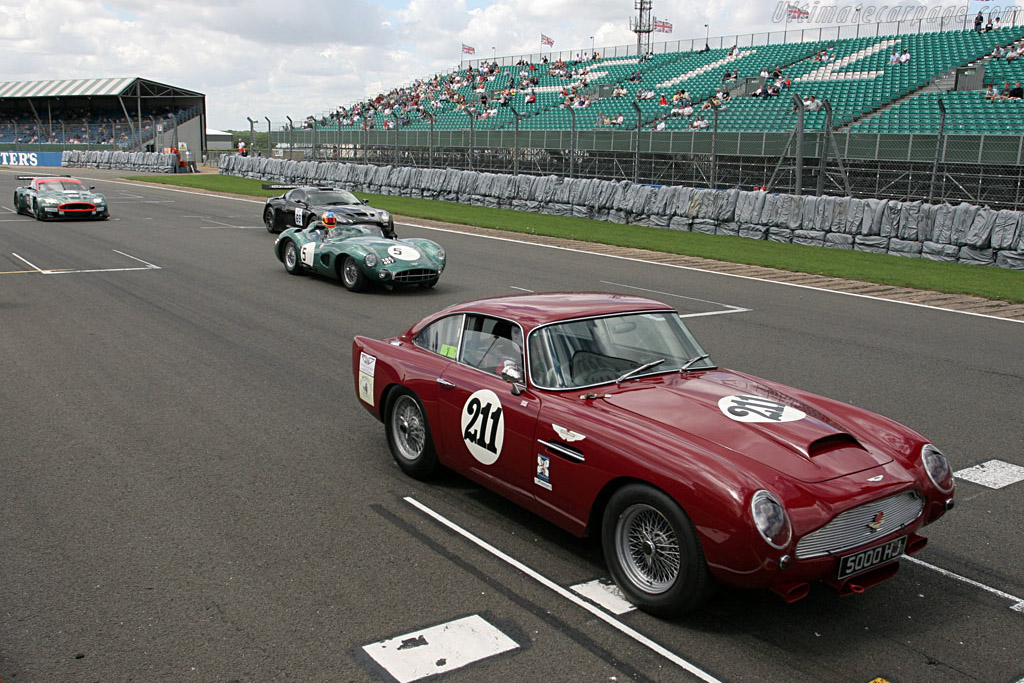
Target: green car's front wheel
x,y
291,258
352,276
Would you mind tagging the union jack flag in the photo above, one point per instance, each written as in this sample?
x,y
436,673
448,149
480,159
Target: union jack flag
x,y
547,41
794,12
662,26
467,50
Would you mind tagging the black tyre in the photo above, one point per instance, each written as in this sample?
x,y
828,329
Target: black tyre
x,y
405,423
352,275
653,553
270,220
291,258
17,205
429,283
38,212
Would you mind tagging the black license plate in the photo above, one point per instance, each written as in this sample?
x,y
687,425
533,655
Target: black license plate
x,y
869,559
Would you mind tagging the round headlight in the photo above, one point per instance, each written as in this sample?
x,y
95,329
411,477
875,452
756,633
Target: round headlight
x,y
385,217
370,259
937,467
440,254
771,519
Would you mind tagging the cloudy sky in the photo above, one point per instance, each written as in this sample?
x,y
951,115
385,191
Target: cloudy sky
x,y
277,59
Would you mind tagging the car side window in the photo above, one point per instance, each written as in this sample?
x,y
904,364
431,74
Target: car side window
x,y
489,344
441,336
295,195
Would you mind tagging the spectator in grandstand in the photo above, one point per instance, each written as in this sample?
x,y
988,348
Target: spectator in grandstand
x,y
724,95
727,76
997,24
636,77
988,24
733,51
978,21
764,72
990,92
1016,92
531,97
999,52
812,104
619,91
1013,53
619,119
777,73
894,58
905,57
663,101
659,124
695,124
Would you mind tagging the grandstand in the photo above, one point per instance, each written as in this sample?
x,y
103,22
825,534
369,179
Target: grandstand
x,y
913,128
129,114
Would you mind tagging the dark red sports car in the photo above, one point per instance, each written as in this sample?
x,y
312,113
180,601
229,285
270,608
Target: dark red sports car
x,y
603,414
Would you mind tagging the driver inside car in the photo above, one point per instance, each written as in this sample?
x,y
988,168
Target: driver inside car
x,y
320,228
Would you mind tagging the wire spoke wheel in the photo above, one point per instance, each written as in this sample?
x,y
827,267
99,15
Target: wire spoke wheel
x,y
408,433
648,548
408,429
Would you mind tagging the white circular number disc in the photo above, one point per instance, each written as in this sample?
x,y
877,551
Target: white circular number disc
x,y
403,253
483,426
758,409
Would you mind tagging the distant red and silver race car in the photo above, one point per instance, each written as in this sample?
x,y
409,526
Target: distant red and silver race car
x,y
603,414
51,197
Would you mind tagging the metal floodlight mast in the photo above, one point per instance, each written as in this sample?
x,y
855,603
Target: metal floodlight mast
x,y
641,26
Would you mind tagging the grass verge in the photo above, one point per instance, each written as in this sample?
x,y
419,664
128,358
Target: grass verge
x,y
954,278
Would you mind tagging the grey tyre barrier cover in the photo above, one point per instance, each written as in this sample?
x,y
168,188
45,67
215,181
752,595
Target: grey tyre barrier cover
x,y
964,233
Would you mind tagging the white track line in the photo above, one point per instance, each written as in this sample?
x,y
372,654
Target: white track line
x,y
1018,603
730,309
135,258
30,264
567,594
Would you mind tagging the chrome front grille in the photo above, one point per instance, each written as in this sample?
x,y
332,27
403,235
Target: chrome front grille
x,y
855,527
416,275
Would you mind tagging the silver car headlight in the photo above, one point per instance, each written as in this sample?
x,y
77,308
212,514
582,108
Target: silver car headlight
x,y
385,217
937,467
370,260
440,254
771,519
48,201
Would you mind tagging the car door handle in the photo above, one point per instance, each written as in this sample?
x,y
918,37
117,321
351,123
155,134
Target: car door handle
x,y
445,383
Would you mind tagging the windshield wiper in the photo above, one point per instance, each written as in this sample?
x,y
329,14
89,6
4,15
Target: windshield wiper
x,y
639,368
687,364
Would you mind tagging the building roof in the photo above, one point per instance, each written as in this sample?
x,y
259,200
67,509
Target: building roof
x,y
93,87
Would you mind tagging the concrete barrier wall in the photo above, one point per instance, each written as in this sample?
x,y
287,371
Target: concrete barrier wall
x,y
147,162
964,233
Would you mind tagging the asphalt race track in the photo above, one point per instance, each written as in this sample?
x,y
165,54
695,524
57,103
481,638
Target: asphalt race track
x,y
190,491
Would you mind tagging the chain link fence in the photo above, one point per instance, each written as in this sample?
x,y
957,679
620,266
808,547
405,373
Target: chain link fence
x,y
811,158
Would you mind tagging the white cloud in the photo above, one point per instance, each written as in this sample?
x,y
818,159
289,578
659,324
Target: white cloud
x,y
263,58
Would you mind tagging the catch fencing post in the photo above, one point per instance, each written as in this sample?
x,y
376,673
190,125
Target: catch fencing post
x,y
291,146
636,147
938,150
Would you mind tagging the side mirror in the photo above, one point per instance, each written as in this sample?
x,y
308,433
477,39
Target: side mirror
x,y
513,374
365,201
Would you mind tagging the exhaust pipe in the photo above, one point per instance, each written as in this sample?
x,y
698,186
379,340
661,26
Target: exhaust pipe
x,y
791,592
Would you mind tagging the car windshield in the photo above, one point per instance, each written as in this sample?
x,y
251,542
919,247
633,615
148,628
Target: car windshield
x,y
583,353
345,231
60,186
329,197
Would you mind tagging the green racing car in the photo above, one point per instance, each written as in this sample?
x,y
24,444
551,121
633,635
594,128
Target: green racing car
x,y
52,197
359,254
